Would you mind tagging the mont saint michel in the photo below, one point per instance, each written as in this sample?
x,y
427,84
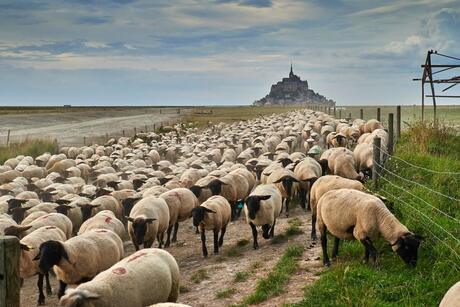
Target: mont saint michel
x,y
292,90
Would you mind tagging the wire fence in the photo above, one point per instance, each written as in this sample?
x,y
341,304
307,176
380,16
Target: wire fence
x,y
415,207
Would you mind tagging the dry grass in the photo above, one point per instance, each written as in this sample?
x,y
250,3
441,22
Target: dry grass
x,y
28,147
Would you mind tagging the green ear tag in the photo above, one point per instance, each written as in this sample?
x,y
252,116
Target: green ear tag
x,y
240,205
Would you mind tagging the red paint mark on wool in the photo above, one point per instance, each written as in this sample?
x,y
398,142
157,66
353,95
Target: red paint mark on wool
x,y
137,255
119,271
108,219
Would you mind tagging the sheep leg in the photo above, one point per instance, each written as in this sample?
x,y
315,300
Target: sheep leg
x,y
216,242
203,243
288,199
41,295
303,195
176,228
326,260
366,251
255,245
62,287
48,285
136,246
168,237
197,231
272,230
335,250
313,227
371,251
148,244
221,240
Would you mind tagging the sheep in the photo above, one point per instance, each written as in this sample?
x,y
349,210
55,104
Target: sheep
x,y
104,220
263,207
352,214
371,125
61,166
80,258
323,185
29,245
363,154
284,180
189,177
146,277
180,202
149,219
52,219
452,296
340,161
105,202
169,305
33,216
9,227
306,171
214,214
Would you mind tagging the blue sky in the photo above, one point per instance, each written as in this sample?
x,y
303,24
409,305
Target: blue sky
x,y
196,52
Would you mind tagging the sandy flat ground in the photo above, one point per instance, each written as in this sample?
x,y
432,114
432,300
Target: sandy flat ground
x,y
69,128
221,269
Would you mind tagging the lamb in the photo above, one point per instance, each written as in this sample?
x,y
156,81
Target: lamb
x,y
214,214
452,296
352,214
284,180
306,171
263,207
149,219
52,219
180,202
146,277
30,244
323,185
80,258
104,220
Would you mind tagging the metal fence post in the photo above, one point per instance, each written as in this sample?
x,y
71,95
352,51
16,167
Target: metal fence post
x,y
376,161
390,133
10,283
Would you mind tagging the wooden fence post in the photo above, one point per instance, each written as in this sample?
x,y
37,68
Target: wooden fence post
x,y
398,122
390,133
145,128
154,128
84,141
375,161
335,113
135,130
8,138
106,137
123,132
361,113
378,114
10,283
340,113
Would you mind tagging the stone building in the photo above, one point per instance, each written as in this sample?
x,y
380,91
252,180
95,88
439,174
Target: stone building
x,y
293,90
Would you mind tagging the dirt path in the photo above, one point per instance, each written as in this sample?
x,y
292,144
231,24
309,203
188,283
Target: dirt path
x,y
218,271
69,128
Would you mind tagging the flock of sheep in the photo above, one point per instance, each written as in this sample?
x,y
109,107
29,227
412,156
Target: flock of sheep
x,y
72,211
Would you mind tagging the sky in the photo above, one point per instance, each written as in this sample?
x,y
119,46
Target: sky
x,y
218,52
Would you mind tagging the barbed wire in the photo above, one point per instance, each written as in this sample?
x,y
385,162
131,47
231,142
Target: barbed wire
x,y
420,167
423,214
425,229
419,198
419,184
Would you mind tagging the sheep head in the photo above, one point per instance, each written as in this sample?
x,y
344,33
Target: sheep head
x,y
51,253
140,227
407,246
78,297
253,204
216,186
198,214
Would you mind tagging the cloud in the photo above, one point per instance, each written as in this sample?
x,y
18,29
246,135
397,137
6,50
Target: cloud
x,y
96,45
93,20
254,3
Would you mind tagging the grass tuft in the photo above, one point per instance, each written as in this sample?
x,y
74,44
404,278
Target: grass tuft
x,y
241,276
292,230
242,242
226,293
28,147
199,276
274,283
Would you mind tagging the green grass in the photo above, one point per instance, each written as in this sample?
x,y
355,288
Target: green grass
x,y
350,283
28,147
242,242
199,276
241,276
226,293
409,114
292,230
273,284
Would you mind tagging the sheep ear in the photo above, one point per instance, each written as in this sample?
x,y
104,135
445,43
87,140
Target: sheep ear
x,y
150,221
90,295
264,197
15,230
130,219
209,210
25,247
95,206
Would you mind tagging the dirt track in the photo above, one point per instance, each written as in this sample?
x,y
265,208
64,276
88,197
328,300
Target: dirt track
x,y
221,269
69,128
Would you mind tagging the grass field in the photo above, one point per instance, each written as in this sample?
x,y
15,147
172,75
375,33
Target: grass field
x,y
32,148
350,283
